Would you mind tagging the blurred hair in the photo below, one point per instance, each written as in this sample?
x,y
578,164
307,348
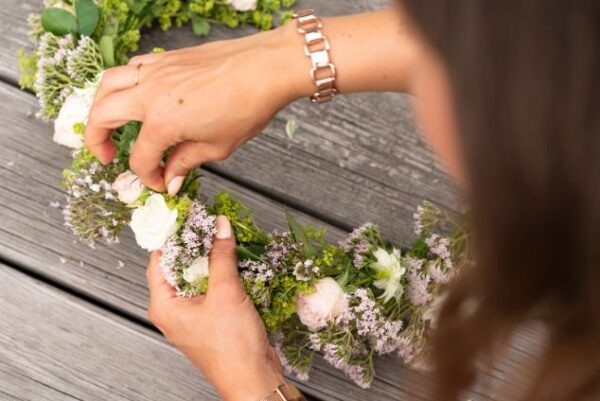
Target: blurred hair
x,y
525,77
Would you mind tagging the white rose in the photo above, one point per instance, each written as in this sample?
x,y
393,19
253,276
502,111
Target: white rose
x,y
326,304
197,271
153,223
390,271
242,5
128,186
75,109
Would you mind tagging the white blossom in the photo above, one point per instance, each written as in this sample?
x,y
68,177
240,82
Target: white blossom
x,y
75,110
389,272
153,223
243,5
197,270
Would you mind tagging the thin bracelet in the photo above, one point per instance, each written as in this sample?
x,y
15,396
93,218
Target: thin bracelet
x,y
316,46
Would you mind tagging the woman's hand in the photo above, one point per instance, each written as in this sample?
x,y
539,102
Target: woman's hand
x,y
220,332
208,100
205,100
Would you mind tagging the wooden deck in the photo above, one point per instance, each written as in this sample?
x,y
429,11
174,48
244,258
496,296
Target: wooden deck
x,y
73,324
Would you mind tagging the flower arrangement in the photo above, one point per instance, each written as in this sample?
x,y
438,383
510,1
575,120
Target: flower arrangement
x,y
349,301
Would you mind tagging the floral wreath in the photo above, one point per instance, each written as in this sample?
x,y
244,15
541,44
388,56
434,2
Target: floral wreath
x,y
350,301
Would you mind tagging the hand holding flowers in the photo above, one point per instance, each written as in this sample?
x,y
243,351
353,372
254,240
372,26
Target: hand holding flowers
x,y
220,332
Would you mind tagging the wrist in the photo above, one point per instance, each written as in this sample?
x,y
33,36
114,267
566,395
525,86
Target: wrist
x,y
253,384
291,66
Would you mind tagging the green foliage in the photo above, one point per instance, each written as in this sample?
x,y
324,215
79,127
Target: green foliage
x,y
27,63
301,236
58,21
283,301
240,216
250,252
124,138
88,15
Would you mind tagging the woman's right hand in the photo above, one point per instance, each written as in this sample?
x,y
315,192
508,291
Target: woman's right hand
x,y
205,101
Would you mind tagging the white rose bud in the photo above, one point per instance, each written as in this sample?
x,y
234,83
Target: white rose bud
x,y
323,306
153,223
75,110
197,271
242,5
129,187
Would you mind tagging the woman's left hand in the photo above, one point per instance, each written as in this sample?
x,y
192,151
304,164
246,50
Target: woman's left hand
x,y
220,332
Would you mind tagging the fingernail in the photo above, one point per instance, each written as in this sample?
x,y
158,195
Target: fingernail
x,y
175,185
223,228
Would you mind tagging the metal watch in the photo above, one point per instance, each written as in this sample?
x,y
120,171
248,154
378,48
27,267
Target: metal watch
x,y
285,392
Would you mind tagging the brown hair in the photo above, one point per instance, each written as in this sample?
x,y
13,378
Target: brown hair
x,y
525,77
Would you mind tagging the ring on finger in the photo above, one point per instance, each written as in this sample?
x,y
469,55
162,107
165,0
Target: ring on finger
x,y
138,67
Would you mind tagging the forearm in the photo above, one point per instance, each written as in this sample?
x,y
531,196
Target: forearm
x,y
371,51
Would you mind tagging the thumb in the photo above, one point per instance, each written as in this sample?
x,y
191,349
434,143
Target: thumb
x,y
223,268
183,158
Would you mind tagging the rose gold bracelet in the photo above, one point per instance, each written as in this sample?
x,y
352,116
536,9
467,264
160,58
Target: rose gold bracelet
x,y
316,46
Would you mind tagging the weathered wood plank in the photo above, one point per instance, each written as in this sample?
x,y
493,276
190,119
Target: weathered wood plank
x,y
357,159
56,347
32,236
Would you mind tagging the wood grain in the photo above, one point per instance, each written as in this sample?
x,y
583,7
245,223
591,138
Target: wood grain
x,y
57,347
354,160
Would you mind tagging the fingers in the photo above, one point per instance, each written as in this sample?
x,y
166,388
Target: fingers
x,y
147,153
116,79
160,290
224,280
108,114
183,158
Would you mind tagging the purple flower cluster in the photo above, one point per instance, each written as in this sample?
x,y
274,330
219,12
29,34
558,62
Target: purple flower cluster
x,y
372,324
359,244
355,371
92,210
288,367
193,240
279,249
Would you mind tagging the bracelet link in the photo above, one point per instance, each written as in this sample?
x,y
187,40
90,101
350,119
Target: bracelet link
x,y
317,47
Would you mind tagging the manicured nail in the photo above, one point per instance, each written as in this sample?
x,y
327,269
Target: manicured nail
x,y
175,185
223,228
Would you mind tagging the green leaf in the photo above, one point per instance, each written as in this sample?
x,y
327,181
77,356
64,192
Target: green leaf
x,y
245,253
200,26
343,278
87,14
300,235
58,21
290,128
107,49
136,6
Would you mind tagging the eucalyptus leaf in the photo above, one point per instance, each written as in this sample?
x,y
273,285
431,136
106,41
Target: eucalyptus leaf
x,y
290,128
58,21
343,278
88,15
200,26
300,235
